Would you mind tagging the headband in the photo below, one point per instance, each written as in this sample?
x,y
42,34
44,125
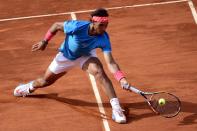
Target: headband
x,y
100,19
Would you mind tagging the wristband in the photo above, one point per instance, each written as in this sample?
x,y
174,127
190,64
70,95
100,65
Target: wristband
x,y
48,36
119,75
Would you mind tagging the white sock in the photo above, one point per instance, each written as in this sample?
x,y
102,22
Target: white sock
x,y
115,103
31,86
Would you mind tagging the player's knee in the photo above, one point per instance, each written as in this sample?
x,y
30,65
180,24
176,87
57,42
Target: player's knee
x,y
97,71
94,67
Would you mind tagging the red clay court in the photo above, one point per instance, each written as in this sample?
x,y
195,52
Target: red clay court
x,y
154,42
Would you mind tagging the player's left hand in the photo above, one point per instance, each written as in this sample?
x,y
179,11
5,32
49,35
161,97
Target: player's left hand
x,y
39,46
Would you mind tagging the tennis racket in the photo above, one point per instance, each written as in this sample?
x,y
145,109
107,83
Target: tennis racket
x,y
170,108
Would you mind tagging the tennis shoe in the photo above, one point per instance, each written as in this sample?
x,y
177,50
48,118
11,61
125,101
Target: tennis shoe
x,y
22,90
118,116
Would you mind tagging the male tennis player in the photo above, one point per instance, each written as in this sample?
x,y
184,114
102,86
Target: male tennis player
x,y
78,49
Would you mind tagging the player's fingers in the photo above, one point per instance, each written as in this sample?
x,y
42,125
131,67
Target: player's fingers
x,y
125,86
38,46
35,48
35,45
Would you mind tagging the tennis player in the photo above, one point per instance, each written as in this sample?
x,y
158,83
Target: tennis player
x,y
78,49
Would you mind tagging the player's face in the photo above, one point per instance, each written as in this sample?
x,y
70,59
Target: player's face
x,y
100,27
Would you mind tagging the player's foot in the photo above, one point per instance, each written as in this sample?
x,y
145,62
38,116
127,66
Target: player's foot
x,y
22,90
118,116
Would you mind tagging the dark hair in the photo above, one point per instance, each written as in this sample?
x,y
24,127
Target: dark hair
x,y
100,12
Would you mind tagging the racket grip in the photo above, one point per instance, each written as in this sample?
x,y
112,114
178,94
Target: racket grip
x,y
133,89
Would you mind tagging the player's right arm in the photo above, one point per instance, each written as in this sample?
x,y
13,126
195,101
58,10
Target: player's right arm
x,y
58,26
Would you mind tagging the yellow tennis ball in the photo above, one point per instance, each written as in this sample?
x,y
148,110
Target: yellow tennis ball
x,y
162,101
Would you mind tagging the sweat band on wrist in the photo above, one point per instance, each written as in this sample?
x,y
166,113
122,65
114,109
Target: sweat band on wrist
x,y
119,75
48,36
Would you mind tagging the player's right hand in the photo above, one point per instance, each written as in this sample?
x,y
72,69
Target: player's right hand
x,y
39,46
125,84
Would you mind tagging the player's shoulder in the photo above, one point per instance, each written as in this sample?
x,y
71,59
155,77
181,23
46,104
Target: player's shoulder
x,y
105,35
76,23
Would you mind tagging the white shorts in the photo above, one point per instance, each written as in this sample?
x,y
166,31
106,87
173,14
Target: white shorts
x,y
61,64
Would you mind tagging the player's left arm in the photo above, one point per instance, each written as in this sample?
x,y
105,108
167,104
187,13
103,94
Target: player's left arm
x,y
115,69
41,45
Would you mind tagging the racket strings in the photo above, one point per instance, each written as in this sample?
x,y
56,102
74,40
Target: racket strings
x,y
171,106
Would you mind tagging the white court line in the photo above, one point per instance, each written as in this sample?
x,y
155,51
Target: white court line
x,y
99,102
85,11
96,92
193,10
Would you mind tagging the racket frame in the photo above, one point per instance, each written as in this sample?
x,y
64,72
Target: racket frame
x,y
148,100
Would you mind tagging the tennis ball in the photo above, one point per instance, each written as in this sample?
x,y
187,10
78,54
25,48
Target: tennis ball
x,y
162,101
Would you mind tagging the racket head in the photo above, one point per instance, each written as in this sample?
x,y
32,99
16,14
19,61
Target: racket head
x,y
172,105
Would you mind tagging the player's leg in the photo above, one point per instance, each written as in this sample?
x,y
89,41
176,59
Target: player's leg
x,y
48,79
57,69
94,67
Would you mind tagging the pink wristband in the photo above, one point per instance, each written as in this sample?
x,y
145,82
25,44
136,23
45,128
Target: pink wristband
x,y
48,36
119,75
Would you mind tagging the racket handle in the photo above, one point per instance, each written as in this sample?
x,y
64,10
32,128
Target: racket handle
x,y
133,89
